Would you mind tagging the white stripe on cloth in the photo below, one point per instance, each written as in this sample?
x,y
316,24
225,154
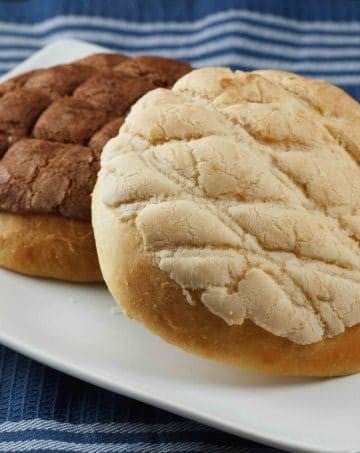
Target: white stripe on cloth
x,y
14,53
273,20
199,53
192,36
143,447
216,43
236,59
112,427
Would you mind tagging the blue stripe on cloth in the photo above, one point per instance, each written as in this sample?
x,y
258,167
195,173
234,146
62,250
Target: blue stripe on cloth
x,y
43,410
292,11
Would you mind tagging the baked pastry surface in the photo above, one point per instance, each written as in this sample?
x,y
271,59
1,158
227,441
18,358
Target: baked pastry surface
x,y
53,125
233,206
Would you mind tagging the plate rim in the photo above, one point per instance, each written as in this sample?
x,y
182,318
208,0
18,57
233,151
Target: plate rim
x,y
132,391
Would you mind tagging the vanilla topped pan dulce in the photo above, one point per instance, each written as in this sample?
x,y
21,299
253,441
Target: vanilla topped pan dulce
x,y
238,194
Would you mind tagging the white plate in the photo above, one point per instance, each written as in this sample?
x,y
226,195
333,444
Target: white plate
x,y
73,328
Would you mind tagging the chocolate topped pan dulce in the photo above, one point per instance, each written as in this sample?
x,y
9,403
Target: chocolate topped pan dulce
x,y
53,125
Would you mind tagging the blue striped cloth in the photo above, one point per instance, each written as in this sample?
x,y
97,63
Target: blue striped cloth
x,y
44,410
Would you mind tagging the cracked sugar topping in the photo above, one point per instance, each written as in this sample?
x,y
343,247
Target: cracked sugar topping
x,y
54,123
245,188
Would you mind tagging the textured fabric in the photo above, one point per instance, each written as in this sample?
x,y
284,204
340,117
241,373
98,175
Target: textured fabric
x,y
319,38
44,410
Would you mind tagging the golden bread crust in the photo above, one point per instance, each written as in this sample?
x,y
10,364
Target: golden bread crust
x,y
233,209
49,246
148,295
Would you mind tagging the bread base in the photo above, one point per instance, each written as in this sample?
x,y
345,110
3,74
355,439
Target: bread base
x,y
148,295
49,246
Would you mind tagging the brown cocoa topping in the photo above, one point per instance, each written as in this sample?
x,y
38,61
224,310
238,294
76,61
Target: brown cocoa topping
x,y
54,123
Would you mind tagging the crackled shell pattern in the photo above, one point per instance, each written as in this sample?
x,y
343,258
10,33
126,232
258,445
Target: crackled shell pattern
x,y
245,188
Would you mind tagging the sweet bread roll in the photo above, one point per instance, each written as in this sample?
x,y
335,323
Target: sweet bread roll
x,y
227,220
53,125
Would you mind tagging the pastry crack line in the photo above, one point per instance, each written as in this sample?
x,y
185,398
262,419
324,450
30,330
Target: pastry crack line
x,y
190,188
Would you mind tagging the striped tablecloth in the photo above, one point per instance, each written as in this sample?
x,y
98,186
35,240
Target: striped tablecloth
x,y
44,410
